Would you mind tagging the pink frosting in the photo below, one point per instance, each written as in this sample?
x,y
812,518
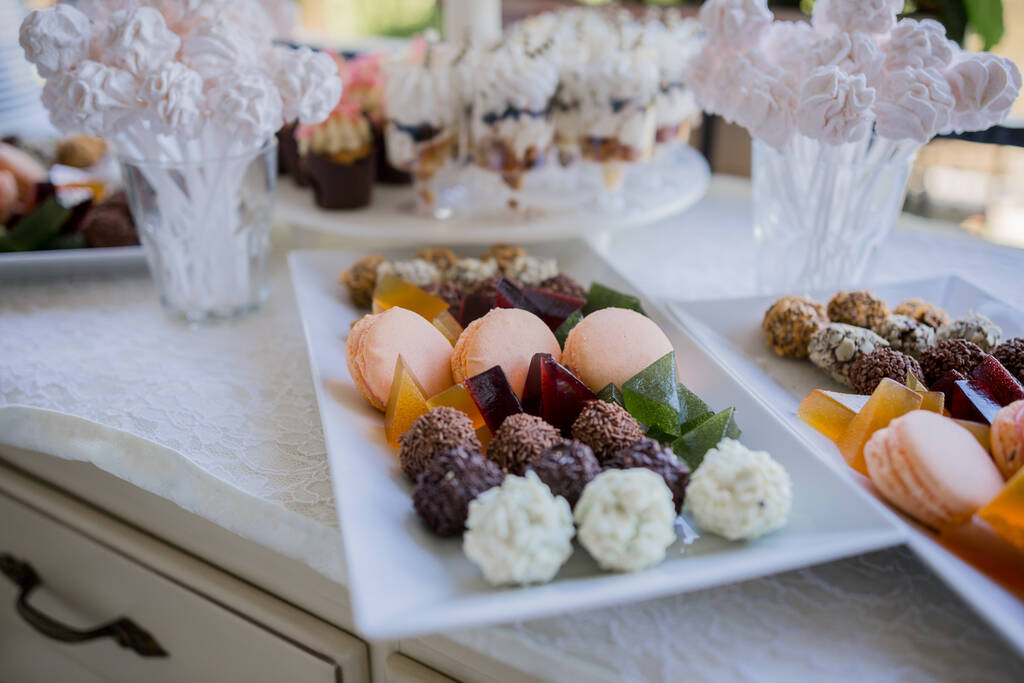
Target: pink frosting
x,y
914,104
834,106
985,87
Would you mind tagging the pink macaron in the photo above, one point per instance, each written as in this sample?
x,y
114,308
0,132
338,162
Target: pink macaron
x,y
1008,439
611,345
932,469
375,343
508,337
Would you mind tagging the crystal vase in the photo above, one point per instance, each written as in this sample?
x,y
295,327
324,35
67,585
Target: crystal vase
x,y
821,211
205,229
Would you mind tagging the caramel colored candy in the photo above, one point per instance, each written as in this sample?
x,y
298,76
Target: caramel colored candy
x,y
1005,513
890,400
393,292
934,401
459,398
448,325
981,432
830,412
405,404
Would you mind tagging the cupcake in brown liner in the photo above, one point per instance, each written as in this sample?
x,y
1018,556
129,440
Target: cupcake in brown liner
x,y
288,158
340,158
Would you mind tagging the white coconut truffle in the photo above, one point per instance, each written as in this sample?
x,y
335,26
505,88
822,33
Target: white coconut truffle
x,y
739,494
974,327
519,532
416,271
626,519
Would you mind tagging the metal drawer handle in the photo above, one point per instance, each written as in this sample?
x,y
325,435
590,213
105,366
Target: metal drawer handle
x,y
124,631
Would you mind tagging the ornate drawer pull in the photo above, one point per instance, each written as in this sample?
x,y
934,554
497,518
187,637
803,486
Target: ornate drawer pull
x,y
124,631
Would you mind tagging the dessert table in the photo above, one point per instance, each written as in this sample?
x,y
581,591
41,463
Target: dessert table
x,y
221,420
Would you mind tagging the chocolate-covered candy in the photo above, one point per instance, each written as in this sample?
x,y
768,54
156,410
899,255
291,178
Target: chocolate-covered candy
x,y
790,322
658,458
566,468
868,371
924,312
606,428
946,356
446,487
860,308
361,279
837,346
907,334
433,433
1011,354
975,328
563,284
443,258
448,291
520,440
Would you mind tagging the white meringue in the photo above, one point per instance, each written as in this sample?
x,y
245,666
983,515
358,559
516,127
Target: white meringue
x,y
788,44
248,105
174,93
919,44
854,53
93,98
137,40
735,24
835,107
309,83
55,39
856,16
985,88
913,103
216,48
757,98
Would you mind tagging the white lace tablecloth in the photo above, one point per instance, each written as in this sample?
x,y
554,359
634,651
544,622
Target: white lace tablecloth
x,y
222,420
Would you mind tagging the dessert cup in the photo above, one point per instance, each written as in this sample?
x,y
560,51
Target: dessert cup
x,y
341,181
387,173
290,162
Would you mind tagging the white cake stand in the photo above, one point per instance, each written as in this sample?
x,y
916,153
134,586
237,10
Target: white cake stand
x,y
391,218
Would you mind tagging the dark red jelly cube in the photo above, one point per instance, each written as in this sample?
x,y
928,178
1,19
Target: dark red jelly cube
x,y
474,306
554,394
507,295
493,396
947,385
999,381
553,308
531,401
973,401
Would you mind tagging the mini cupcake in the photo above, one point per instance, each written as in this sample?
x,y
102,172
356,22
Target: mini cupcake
x,y
512,126
339,157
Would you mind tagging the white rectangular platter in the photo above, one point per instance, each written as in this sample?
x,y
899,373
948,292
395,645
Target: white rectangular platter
x,y
54,263
404,581
729,330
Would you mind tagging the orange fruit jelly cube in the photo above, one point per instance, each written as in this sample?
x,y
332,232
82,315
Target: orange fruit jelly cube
x,y
1005,513
890,400
830,412
981,432
392,291
448,325
458,397
935,401
484,434
406,403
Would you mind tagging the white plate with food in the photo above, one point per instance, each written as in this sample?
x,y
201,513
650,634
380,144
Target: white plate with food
x,y
404,580
391,217
730,331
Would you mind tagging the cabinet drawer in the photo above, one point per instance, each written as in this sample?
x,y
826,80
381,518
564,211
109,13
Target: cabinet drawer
x,y
85,583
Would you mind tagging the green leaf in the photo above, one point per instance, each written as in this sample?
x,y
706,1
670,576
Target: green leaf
x,y
986,18
694,445
612,394
566,327
651,395
37,228
691,407
600,297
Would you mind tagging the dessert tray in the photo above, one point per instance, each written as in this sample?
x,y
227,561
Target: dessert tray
x,y
405,581
392,217
64,262
729,331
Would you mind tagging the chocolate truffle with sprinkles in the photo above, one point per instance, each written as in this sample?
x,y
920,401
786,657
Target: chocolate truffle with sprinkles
x,y
361,279
907,334
868,371
1011,354
924,312
974,327
433,433
946,356
860,308
447,290
566,468
606,428
563,284
520,440
658,458
448,485
790,322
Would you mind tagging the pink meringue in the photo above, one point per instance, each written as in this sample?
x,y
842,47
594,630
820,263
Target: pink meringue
x,y
788,44
984,87
137,40
174,92
757,98
856,16
919,44
914,104
309,84
835,107
248,105
55,39
735,24
854,53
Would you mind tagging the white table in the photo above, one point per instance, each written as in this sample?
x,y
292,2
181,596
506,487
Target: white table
x,y
229,431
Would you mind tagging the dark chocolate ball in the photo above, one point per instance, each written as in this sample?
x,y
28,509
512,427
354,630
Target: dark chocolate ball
x,y
1011,354
566,468
606,428
446,487
563,284
520,440
433,433
951,354
658,458
868,371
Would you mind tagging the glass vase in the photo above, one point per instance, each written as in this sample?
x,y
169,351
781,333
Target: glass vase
x,y
205,229
821,211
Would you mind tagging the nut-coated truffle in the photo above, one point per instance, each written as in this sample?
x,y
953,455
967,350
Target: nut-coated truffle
x,y
361,279
443,258
868,371
446,487
606,428
447,290
948,355
860,308
907,334
566,468
974,327
520,440
658,458
790,322
1011,354
923,311
563,284
433,433
504,255
837,346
